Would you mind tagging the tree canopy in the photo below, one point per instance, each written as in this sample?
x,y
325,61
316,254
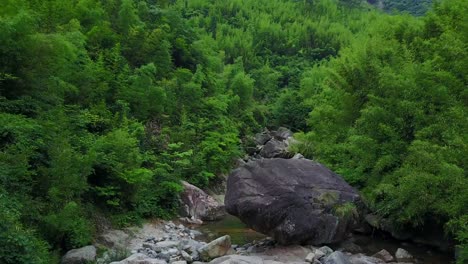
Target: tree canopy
x,y
105,105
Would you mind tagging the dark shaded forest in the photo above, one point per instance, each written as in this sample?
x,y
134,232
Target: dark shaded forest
x,y
415,7
105,105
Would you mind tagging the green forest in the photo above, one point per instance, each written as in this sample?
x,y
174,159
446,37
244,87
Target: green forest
x,y
105,105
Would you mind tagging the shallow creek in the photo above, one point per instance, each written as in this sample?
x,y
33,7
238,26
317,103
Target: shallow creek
x,y
240,235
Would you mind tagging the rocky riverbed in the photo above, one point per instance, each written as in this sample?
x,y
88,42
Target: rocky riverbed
x,y
167,242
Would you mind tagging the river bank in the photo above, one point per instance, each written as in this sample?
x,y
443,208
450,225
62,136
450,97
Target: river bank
x,y
230,241
370,244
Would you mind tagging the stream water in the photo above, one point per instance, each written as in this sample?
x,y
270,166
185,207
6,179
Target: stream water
x,y
240,235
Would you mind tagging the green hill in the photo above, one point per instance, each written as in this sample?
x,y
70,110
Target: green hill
x,y
105,105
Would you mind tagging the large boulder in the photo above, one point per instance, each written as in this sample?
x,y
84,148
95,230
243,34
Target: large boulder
x,y
80,255
292,200
199,205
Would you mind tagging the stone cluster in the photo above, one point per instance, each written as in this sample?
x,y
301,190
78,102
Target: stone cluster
x,y
177,244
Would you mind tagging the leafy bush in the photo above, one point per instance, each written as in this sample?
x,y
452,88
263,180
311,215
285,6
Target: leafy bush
x,y
69,227
19,244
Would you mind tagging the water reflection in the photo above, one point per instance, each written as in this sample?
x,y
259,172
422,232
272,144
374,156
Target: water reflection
x,y
230,225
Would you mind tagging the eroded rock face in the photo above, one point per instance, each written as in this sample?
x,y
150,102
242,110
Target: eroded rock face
x,y
200,205
291,200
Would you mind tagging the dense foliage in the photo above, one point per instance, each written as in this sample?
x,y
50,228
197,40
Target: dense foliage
x,y
105,105
390,115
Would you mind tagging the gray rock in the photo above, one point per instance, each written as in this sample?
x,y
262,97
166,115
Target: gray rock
x,y
165,255
216,248
190,220
285,254
336,257
282,133
384,255
326,250
200,205
148,245
291,200
262,138
349,246
116,239
186,256
373,220
195,232
432,234
179,262
191,245
167,244
80,255
298,156
195,255
236,259
403,256
362,259
140,259
274,149
173,251
310,257
319,254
